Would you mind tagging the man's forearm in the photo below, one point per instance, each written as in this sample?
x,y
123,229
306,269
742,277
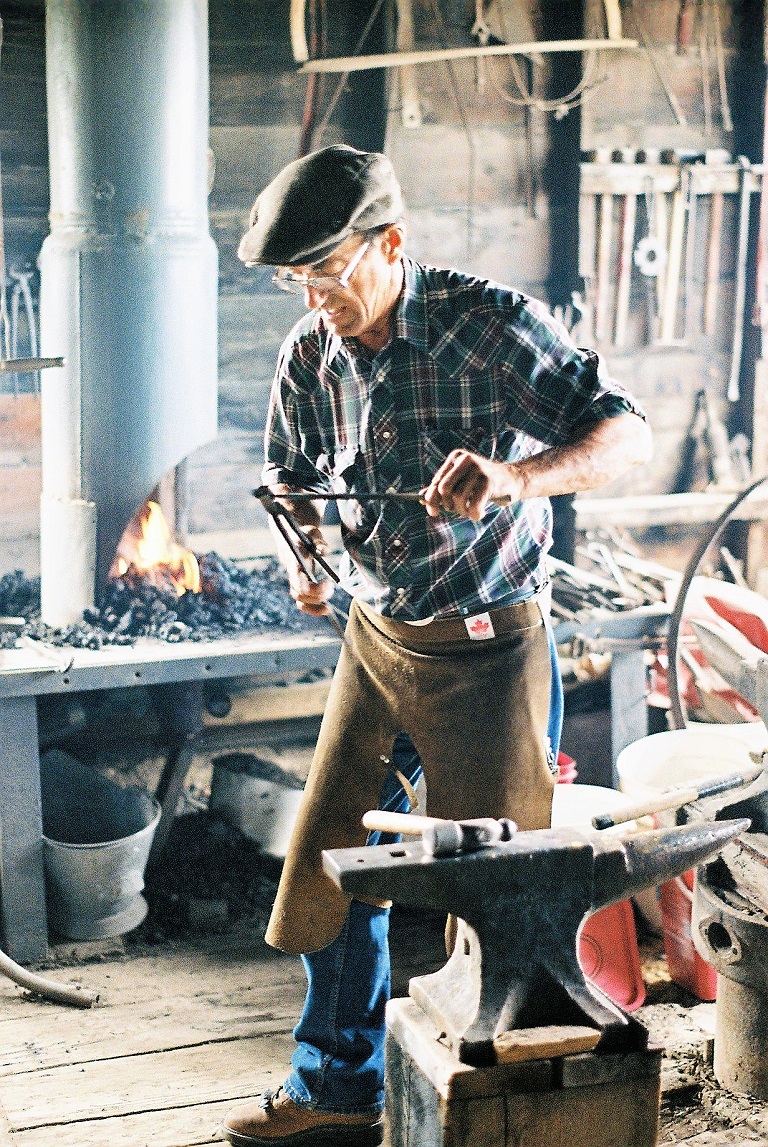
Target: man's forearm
x,y
605,452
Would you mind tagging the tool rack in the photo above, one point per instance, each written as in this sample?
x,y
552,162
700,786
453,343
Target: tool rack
x,y
677,208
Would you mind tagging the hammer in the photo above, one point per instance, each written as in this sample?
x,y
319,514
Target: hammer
x,y
443,837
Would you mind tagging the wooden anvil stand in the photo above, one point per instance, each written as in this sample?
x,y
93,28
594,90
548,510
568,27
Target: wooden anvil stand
x,y
574,1100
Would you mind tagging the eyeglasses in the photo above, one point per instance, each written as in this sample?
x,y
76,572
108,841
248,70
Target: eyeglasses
x,y
323,284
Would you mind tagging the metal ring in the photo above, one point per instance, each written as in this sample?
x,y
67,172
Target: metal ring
x,y
650,256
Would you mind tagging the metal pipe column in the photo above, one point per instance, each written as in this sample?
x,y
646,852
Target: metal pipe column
x,y
128,275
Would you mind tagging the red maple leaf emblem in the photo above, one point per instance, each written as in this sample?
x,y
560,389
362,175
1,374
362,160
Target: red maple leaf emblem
x,y
480,626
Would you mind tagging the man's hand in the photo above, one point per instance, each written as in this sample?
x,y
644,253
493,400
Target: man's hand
x,y
310,596
465,483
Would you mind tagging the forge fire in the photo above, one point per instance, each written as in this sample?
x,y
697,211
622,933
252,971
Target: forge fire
x,y
158,588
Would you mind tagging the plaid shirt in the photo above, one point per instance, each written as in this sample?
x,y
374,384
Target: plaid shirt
x,y
472,364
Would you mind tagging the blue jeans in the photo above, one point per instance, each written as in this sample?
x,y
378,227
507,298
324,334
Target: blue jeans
x,y
338,1064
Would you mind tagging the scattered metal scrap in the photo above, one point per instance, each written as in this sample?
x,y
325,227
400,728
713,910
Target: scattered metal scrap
x,y
614,580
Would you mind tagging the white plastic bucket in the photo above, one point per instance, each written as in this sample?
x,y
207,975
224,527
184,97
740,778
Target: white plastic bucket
x,y
666,760
575,805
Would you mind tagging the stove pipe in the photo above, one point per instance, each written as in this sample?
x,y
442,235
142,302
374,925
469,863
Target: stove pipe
x,y
128,276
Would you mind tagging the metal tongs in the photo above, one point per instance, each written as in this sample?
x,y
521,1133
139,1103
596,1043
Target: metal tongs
x,y
291,529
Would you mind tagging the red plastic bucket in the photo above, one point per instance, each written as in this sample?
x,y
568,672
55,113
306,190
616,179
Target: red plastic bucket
x,y
607,944
686,967
566,769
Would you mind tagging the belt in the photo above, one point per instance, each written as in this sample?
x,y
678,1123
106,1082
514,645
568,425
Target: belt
x,y
526,614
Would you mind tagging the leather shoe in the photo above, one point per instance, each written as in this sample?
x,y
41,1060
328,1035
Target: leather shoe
x,y
276,1121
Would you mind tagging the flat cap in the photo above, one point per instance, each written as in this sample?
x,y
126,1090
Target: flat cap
x,y
316,202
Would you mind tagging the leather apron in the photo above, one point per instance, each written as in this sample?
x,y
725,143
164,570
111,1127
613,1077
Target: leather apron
x,y
477,713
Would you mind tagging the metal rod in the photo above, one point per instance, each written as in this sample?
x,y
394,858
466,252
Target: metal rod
x,y
49,989
21,365
741,283
676,798
362,496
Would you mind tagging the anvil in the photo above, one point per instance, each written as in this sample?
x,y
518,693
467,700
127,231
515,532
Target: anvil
x,y
520,905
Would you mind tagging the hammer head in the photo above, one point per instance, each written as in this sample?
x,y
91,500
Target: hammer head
x,y
452,837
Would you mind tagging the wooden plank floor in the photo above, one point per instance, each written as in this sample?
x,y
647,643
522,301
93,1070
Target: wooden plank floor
x,y
183,1030
174,1039
178,1035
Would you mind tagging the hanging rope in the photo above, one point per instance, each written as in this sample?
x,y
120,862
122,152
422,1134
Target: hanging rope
x,y
588,86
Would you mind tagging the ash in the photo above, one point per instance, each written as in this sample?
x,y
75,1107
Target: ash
x,y
232,600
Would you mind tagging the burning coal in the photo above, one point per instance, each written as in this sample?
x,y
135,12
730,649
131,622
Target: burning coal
x,y
147,552
231,600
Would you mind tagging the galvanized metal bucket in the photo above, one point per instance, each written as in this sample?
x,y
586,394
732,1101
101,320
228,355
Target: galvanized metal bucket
x,y
258,798
97,837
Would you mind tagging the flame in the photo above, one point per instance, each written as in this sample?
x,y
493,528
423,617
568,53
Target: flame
x,y
146,550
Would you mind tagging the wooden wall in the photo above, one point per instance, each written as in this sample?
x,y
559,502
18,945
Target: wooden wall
x,y
491,186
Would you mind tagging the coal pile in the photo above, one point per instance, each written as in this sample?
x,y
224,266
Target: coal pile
x,y
233,600
209,878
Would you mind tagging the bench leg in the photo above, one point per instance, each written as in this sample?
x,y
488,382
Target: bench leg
x,y
22,877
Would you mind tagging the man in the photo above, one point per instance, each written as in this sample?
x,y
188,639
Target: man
x,y
406,378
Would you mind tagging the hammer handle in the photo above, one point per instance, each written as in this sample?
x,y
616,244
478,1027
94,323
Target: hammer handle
x,y
403,822
676,798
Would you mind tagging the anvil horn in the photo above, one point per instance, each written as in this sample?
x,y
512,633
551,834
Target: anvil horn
x,y
628,865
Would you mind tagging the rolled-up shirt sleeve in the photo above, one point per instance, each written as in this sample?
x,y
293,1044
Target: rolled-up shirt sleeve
x,y
559,389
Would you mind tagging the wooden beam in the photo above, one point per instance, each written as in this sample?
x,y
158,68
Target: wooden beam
x,y
667,509
429,56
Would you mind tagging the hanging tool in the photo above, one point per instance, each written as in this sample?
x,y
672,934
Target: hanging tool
x,y
725,107
626,246
684,26
603,302
741,279
706,93
690,255
650,255
677,797
411,108
712,274
22,292
674,261
672,99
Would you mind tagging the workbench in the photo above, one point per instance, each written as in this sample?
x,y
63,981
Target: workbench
x,y
181,669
